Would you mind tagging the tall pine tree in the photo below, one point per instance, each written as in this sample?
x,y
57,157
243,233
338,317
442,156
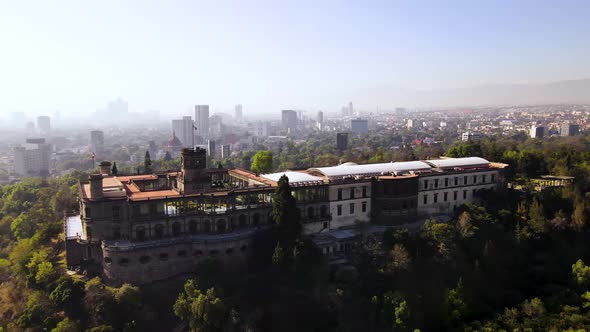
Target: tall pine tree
x,y
285,214
147,163
114,170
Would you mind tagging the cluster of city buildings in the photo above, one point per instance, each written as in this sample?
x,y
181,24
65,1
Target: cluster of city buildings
x,y
154,226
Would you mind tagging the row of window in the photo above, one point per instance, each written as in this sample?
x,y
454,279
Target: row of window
x,y
181,254
351,208
445,196
446,182
195,227
351,193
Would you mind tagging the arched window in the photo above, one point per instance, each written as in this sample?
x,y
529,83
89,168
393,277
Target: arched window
x,y
221,226
256,219
144,259
233,223
192,227
140,233
176,228
159,231
116,232
243,220
108,260
323,211
206,226
310,212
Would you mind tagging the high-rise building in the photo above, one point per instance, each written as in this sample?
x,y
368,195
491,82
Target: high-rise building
x,y
97,142
289,120
225,151
359,126
410,124
320,123
211,148
261,129
216,125
569,129
342,141
44,124
537,131
183,129
238,113
350,109
470,136
32,159
202,120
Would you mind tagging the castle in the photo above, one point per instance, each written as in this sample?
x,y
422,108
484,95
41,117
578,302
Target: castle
x,y
143,228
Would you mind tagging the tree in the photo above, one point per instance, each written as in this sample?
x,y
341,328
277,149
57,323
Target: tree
x,y
147,163
167,156
285,214
579,215
536,217
454,305
68,294
465,226
398,259
262,162
203,311
114,169
98,301
66,325
581,274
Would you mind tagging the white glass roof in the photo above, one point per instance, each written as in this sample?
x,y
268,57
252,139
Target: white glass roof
x,y
73,227
372,169
294,177
458,162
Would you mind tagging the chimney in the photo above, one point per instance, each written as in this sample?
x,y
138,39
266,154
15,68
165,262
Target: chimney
x,y
96,186
105,168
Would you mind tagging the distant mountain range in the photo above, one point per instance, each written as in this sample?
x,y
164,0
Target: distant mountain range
x,y
560,92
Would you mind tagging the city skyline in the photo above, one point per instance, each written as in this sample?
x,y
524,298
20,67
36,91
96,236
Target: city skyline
x,y
270,56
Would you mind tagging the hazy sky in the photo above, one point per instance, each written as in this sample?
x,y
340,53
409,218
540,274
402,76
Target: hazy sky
x,y
269,55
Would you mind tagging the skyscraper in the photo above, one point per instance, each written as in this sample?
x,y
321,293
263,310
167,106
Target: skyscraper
x,y
537,131
184,130
238,113
225,151
320,120
211,148
289,120
202,120
32,159
342,141
359,126
569,129
97,142
44,124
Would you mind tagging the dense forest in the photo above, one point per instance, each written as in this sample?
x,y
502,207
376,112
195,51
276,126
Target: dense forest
x,y
517,261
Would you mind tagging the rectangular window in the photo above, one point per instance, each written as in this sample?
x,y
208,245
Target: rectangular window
x,y
116,213
456,181
464,194
484,178
436,198
473,194
153,208
425,199
364,207
364,191
493,177
445,196
446,182
454,195
87,212
465,180
339,210
435,183
425,184
474,179
351,193
339,194
351,208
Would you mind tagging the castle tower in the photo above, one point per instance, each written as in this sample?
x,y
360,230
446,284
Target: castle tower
x,y
96,186
193,177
